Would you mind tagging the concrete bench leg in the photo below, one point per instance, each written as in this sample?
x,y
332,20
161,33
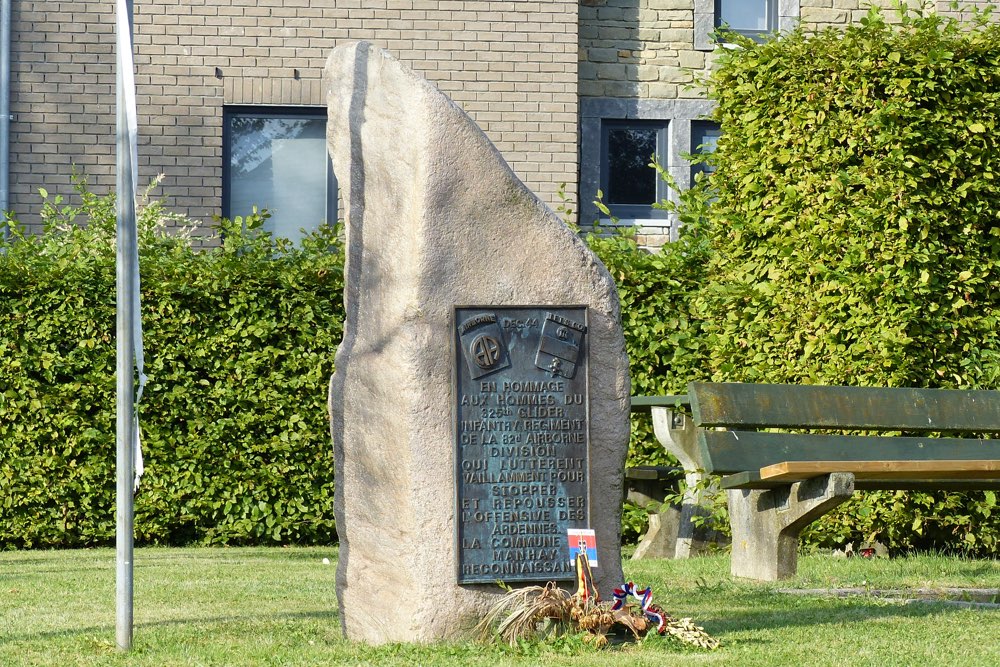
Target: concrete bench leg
x,y
660,540
661,537
693,539
677,434
766,523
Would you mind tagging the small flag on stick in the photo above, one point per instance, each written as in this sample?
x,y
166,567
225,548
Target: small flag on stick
x,y
582,540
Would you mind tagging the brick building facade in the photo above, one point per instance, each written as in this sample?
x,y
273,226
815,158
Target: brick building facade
x,y
511,65
550,81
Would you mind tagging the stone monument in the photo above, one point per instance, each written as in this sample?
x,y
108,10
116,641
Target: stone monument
x,y
479,406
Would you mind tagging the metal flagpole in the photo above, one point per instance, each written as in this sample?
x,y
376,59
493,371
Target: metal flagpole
x,y
125,302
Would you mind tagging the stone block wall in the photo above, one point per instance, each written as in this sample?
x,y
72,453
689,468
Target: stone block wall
x,y
511,64
650,49
524,69
966,8
638,48
823,13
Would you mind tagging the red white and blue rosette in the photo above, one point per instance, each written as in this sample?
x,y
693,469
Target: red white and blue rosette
x,y
645,598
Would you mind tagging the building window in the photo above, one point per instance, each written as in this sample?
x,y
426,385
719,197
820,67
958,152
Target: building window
x,y
753,18
704,136
618,137
275,158
629,185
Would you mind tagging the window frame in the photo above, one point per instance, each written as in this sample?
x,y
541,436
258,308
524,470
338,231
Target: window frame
x,y
677,113
786,17
771,16
643,211
697,129
273,111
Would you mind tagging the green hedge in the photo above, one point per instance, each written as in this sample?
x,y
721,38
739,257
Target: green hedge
x,y
239,345
850,234
239,341
663,335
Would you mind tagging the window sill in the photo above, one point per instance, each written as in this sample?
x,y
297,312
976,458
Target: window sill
x,y
650,233
638,223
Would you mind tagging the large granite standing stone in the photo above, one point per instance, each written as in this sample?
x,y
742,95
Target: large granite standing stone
x,y
437,220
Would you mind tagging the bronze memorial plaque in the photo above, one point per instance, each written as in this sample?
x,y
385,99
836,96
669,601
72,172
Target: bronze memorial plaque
x,y
522,440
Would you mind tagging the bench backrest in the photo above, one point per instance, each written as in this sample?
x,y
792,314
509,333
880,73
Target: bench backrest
x,y
743,408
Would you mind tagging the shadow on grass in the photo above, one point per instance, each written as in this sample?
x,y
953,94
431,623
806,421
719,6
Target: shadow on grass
x,y
982,569
804,612
70,570
331,616
226,556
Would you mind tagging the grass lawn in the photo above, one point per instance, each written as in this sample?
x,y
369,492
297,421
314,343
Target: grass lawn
x,y
278,607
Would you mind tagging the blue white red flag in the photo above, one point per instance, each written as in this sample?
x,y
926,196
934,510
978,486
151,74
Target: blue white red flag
x,y
582,540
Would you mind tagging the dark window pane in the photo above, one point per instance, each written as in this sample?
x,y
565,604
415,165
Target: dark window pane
x,y
745,15
704,136
630,178
279,163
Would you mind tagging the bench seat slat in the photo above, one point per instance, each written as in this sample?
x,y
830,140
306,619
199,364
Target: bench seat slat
x,y
752,480
727,452
863,408
795,471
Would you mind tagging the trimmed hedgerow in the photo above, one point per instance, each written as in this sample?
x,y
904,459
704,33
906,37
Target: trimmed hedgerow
x,y
240,342
663,335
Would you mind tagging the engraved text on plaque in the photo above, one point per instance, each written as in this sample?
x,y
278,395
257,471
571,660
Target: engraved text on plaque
x,y
522,440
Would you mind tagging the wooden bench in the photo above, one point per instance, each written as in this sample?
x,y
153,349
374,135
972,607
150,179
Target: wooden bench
x,y
780,479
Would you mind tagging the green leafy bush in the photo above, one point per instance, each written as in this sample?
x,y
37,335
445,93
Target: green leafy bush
x,y
852,235
240,341
855,231
663,337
